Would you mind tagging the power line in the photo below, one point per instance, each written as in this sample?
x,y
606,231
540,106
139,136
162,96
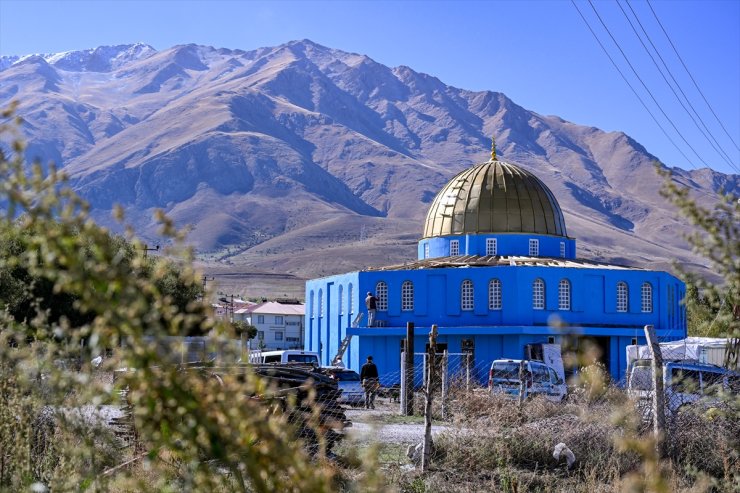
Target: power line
x,y
710,137
712,141
691,76
645,86
637,95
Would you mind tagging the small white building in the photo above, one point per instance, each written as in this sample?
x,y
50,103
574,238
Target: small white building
x,y
279,325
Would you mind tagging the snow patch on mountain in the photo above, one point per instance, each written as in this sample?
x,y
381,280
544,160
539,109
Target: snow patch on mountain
x,y
100,59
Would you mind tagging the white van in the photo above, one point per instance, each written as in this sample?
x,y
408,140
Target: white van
x,y
540,379
684,382
285,356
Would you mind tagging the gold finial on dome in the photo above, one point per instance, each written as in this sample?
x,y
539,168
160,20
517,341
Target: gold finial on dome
x,y
493,148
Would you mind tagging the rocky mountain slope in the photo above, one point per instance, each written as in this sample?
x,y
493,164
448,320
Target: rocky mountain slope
x,y
309,160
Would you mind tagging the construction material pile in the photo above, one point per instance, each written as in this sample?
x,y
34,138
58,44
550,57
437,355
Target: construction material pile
x,y
308,397
313,392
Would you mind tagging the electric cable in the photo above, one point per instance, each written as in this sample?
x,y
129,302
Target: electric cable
x,y
708,135
691,76
637,95
590,2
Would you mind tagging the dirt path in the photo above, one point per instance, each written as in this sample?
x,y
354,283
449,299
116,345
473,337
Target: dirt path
x,y
385,425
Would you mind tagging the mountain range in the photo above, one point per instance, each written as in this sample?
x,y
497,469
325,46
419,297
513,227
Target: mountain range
x,y
308,160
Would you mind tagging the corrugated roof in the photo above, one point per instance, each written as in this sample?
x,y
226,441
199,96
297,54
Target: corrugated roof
x,y
498,261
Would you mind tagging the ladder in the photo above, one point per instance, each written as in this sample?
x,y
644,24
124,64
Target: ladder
x,y
345,342
342,348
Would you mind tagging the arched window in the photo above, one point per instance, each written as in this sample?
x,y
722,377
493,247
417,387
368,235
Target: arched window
x,y
321,303
494,294
407,296
350,308
311,306
564,295
466,295
622,297
381,293
341,301
538,294
647,297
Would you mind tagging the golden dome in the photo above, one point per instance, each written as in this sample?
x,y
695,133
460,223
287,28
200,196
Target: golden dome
x,y
494,197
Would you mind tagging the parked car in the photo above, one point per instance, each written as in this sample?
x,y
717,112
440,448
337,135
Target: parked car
x,y
285,356
684,383
349,383
540,379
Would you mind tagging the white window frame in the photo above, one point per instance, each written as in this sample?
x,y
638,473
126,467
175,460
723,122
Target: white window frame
x,y
279,320
562,249
321,303
467,295
646,295
341,300
454,248
278,335
538,294
381,293
260,319
349,299
407,296
491,247
564,294
495,301
623,296
534,247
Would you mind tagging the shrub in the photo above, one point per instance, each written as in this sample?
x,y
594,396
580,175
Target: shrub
x,y
195,433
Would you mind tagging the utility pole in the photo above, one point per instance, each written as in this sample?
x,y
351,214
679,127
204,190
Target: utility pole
x,y
205,280
229,305
147,249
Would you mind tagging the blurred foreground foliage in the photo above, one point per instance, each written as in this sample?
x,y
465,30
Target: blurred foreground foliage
x,y
64,280
713,308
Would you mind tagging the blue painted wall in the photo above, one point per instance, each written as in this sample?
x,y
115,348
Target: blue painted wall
x,y
333,302
507,244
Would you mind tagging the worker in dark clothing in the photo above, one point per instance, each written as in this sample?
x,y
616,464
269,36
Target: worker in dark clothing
x,y
369,378
371,302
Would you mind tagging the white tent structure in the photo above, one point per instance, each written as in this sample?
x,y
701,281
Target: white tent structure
x,y
702,349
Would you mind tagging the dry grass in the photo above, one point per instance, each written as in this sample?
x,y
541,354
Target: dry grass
x,y
495,446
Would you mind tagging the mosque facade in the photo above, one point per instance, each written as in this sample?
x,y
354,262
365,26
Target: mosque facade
x,y
495,271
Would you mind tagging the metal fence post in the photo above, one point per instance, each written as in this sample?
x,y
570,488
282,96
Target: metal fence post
x,y
424,369
409,369
403,395
467,372
445,383
658,391
428,443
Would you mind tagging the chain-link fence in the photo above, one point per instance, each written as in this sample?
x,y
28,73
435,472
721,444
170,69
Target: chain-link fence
x,y
688,387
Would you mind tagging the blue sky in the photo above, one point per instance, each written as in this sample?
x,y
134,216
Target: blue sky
x,y
539,53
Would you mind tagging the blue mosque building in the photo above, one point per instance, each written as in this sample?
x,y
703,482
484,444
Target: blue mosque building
x,y
496,271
